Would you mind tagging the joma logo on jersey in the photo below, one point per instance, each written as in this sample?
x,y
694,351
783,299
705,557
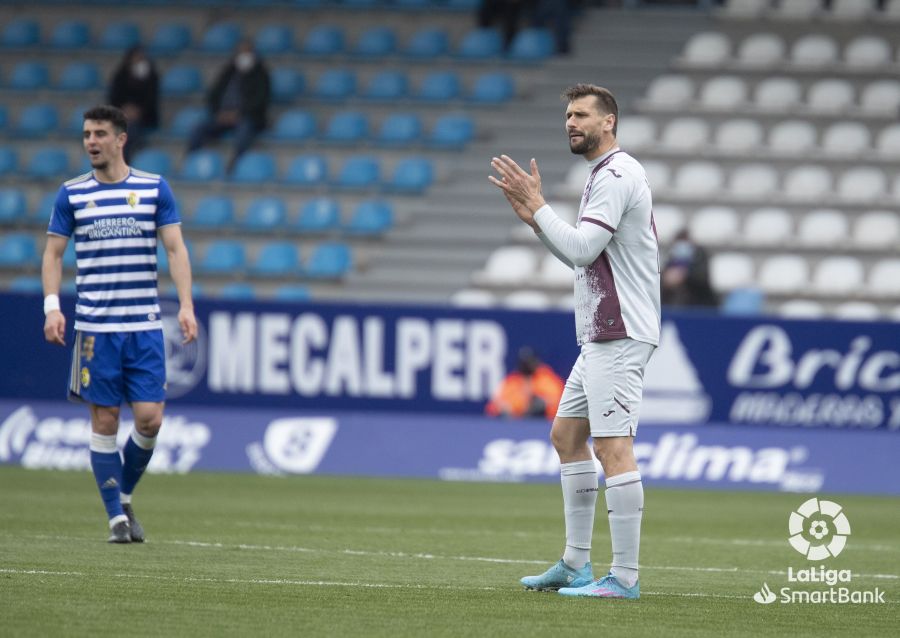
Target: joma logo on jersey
x,y
133,199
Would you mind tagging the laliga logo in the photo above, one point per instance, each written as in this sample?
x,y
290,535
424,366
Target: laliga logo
x,y
812,524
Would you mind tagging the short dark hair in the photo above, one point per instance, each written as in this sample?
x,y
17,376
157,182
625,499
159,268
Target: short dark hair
x,y
606,102
107,113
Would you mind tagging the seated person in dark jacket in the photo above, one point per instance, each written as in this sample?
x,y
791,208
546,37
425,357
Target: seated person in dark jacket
x,y
238,101
135,89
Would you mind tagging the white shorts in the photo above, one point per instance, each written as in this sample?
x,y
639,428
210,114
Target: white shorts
x,y
605,386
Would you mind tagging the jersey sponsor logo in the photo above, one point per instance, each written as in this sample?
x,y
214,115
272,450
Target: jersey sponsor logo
x,y
114,228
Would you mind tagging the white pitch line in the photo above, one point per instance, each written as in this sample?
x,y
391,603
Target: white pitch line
x,y
755,542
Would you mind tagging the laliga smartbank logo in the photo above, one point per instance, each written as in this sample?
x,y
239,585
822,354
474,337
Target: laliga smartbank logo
x,y
818,530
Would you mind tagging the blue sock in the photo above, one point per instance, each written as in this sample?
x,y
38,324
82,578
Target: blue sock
x,y
107,466
137,453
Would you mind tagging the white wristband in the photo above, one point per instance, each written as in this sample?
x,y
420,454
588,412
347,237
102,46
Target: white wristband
x,y
51,303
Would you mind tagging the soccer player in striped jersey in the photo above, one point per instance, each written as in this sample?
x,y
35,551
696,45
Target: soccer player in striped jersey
x,y
114,214
614,253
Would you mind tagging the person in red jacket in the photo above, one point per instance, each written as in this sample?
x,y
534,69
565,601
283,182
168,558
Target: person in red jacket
x,y
532,389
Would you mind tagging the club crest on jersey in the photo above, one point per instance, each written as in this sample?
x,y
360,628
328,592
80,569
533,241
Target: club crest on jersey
x,y
133,199
85,377
87,349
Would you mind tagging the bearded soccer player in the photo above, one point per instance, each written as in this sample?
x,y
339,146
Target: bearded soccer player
x,y
114,214
614,253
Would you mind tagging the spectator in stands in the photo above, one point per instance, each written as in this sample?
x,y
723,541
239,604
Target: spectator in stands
x,y
532,389
237,101
508,13
685,278
135,89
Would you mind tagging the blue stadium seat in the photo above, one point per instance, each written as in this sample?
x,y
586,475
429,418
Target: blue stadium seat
x,y
74,122
386,85
254,167
480,44
153,160
292,292
427,43
453,130
119,36
202,166
358,172
439,86
182,79
50,162
221,37
274,39
4,116
462,5
371,217
295,125
237,290
413,4
13,206
329,260
358,4
307,171
319,215
21,32
400,129
27,284
306,4
37,120
277,259
493,88
265,214
287,84
213,211
376,42
39,216
29,76
69,258
9,160
18,250
412,175
223,256
324,39
744,302
70,34
79,76
186,120
532,45
170,38
335,84
346,127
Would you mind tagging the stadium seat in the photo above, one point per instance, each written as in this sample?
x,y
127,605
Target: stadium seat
x,y
728,271
359,172
877,230
20,32
669,221
307,171
371,217
240,290
532,45
29,76
202,166
745,8
323,40
553,272
792,137
13,207
223,256
724,92
181,80
254,167
292,292
801,309
439,86
807,182
862,184
851,9
265,214
399,129
69,258
27,284
480,44
815,49
186,120
738,136
838,276
277,259
70,34
221,37
386,85
830,96
823,228
658,174
319,215
846,138
346,127
213,211
427,43
170,38
867,51
685,133
119,36
335,84
636,132
9,160
777,94
493,88
714,225
856,311
453,130
79,76
329,260
286,84
39,216
707,48
761,50
509,265
294,125
768,226
47,163
18,250
743,302
274,39
796,10
4,116
881,97
526,300
784,274
748,181
698,179
411,175
376,42
153,160
37,120
473,298
670,91
884,279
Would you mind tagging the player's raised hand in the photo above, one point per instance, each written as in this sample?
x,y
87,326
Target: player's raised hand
x,y
517,184
188,324
55,328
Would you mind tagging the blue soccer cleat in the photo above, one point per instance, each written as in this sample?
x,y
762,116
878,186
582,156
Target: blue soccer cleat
x,y
560,575
606,587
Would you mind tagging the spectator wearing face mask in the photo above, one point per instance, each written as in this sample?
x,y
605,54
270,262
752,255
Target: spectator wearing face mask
x,y
237,101
685,277
135,90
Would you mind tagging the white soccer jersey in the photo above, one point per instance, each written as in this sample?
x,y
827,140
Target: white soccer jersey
x,y
614,252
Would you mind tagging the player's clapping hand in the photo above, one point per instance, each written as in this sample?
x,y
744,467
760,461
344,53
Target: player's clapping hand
x,y
188,324
55,328
522,190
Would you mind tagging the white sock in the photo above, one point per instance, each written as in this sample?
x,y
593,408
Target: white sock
x,y
579,488
625,505
125,498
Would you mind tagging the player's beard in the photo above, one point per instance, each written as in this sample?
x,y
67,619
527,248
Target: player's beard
x,y
588,144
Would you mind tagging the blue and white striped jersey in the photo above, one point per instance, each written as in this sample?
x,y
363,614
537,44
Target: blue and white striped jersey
x,y
114,228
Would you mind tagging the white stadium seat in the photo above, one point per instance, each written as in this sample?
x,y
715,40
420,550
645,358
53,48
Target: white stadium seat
x,y
723,92
566,302
761,50
739,136
830,96
509,265
576,177
888,142
877,230
801,309
881,97
856,311
784,274
822,228
862,184
816,49
714,225
768,227
894,314
867,51
473,298
564,210
527,300
685,134
555,273
778,94
895,189
792,137
752,181
846,138
658,174
838,276
797,9
698,179
669,221
708,48
851,9
670,91
636,132
884,278
891,10
745,8
807,182
730,270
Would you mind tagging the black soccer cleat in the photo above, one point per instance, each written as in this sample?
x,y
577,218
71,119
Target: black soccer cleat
x,y
137,530
120,533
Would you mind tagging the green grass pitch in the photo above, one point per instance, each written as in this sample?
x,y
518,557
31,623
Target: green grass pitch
x,y
247,555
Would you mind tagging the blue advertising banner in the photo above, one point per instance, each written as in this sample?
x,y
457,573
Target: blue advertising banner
x,y
708,369
56,435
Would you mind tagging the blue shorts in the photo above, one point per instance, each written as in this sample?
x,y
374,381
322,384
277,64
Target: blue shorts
x,y
111,367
